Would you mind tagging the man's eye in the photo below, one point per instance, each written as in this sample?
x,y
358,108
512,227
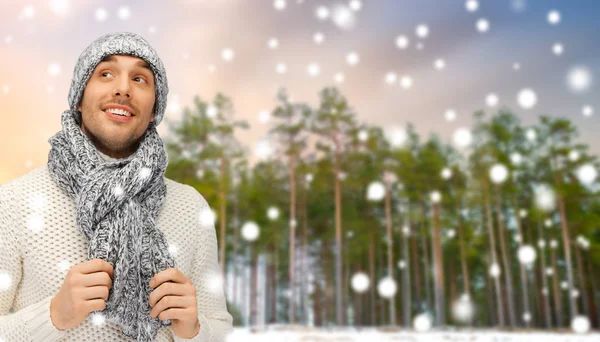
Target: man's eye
x,y
106,72
140,78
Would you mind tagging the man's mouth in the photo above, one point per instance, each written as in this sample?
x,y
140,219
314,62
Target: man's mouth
x,y
118,111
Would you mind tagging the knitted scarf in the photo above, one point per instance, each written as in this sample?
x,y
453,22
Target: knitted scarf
x,y
117,206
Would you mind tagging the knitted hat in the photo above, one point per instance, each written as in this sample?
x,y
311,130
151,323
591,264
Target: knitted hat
x,y
121,43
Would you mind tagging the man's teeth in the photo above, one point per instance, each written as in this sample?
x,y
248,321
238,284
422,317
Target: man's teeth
x,y
120,112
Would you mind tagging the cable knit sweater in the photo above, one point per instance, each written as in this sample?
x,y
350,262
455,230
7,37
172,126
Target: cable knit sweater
x,y
40,242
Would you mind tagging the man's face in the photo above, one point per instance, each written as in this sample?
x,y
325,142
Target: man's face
x,y
124,82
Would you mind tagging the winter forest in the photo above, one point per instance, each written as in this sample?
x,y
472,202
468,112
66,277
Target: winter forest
x,y
375,227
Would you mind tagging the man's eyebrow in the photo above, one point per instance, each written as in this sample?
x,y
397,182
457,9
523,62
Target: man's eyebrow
x,y
113,59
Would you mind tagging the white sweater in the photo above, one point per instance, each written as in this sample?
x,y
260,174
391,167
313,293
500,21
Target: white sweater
x,y
40,242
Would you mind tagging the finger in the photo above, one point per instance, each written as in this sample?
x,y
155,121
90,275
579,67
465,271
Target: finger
x,y
170,274
170,302
166,289
97,279
177,313
95,265
95,292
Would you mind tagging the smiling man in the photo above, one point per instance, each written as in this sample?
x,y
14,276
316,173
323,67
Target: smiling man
x,y
98,244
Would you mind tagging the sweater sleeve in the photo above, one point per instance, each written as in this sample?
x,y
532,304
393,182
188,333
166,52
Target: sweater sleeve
x,y
215,321
31,323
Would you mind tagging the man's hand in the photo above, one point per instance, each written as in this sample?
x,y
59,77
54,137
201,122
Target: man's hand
x,y
174,298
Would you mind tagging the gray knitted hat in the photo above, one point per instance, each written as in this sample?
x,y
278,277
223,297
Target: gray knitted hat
x,y
121,43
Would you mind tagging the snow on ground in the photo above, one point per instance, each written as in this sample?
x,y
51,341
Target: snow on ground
x,y
304,334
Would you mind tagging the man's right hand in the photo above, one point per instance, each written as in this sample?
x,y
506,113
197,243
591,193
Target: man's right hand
x,y
84,290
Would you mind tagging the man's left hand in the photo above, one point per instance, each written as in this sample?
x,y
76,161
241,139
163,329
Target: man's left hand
x,y
174,298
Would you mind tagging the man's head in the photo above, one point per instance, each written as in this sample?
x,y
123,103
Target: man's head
x,y
118,71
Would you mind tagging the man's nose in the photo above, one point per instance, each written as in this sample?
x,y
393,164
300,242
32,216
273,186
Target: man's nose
x,y
122,88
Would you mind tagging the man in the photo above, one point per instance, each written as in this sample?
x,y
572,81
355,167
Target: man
x,y
99,229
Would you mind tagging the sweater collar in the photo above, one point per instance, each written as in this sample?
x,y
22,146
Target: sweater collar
x,y
105,157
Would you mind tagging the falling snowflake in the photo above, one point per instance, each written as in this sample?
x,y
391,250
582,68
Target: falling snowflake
x,y
207,217
495,270
273,213
462,137
450,115
498,173
279,5
387,287
101,14
313,69
406,82
587,174
527,98
435,196
5,281
375,191
422,323
250,231
554,17
318,38
482,25
439,64
54,69
579,79
360,282
281,68
124,13
491,100
422,31
273,43
471,5
355,5
402,42
227,54
391,78
446,173
343,17
557,49
322,13
352,58
59,7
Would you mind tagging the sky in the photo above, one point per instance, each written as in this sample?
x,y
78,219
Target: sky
x,y
428,62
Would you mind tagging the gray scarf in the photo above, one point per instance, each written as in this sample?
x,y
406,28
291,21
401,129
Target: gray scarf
x,y
117,206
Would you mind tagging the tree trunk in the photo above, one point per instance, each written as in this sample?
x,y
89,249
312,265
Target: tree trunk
x,y
235,251
223,214
594,300
583,293
276,277
407,298
292,226
272,286
567,249
372,276
546,289
463,252
427,268
494,260
557,303
510,297
438,267
566,243
304,259
415,266
338,240
524,293
390,250
254,288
